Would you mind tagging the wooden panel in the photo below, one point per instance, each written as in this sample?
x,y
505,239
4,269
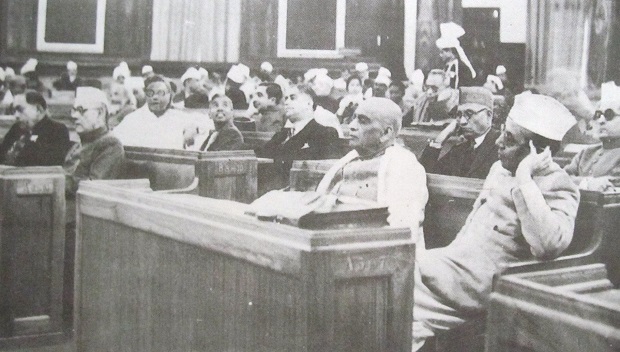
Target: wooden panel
x,y
228,175
32,253
571,309
167,168
416,138
166,273
256,139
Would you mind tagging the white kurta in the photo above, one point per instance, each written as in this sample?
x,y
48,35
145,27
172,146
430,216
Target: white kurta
x,y
142,128
508,223
401,186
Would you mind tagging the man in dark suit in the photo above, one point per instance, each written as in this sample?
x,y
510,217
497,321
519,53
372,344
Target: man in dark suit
x,y
69,80
226,136
34,140
306,138
476,152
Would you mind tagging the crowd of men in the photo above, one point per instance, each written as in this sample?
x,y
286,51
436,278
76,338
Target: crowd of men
x,y
527,207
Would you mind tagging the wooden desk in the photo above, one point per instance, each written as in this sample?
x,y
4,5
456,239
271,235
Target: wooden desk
x,y
33,311
163,272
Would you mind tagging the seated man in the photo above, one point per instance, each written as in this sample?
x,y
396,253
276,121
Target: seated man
x,y
437,102
100,154
307,139
68,80
379,170
396,93
225,136
268,102
526,210
473,156
595,167
34,140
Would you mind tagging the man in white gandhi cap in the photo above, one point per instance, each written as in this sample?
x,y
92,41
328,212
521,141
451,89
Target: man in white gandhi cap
x,y
526,210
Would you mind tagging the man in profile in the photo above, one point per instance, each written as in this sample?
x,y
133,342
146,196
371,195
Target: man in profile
x,y
526,211
476,152
35,139
268,102
100,154
379,170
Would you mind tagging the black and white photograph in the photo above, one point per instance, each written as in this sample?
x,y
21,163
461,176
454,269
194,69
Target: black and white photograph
x,y
309,175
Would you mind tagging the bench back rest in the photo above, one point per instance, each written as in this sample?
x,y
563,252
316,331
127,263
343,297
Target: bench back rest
x,y
165,168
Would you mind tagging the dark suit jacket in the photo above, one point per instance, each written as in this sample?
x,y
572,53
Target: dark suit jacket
x,y
452,162
63,83
314,141
229,138
48,148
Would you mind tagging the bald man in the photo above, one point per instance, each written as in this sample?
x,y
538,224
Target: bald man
x,y
226,136
379,170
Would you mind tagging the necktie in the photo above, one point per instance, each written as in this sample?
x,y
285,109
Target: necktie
x,y
468,157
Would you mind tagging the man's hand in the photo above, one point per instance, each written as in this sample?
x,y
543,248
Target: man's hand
x,y
532,163
189,134
447,132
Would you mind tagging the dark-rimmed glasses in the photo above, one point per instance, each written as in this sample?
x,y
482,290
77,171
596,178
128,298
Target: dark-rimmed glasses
x,y
150,93
609,114
468,114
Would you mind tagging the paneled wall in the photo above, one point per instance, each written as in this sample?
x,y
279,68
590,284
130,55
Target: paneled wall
x,y
127,34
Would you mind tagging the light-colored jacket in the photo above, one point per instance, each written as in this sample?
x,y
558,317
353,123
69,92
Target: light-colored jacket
x,y
509,223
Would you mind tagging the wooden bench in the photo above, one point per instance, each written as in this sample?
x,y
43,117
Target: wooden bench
x,y
566,309
450,202
166,168
222,175
33,308
162,272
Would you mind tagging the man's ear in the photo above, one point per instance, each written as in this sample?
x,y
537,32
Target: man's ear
x,y
388,133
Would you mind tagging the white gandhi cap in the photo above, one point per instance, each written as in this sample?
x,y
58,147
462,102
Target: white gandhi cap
x,y
542,115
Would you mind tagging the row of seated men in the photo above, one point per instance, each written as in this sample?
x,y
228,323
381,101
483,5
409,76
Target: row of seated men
x,y
526,209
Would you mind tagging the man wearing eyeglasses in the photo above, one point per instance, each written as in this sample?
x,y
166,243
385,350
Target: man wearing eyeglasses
x,y
35,139
100,154
597,168
437,101
476,152
526,210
